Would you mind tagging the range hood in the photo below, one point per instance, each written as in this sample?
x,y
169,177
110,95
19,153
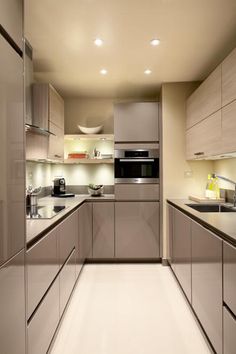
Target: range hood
x,y
31,125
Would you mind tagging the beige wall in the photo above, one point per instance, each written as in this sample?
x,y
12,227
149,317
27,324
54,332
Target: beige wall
x,y
175,167
88,112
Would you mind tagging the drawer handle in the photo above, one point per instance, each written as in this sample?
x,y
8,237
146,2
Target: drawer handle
x,y
199,153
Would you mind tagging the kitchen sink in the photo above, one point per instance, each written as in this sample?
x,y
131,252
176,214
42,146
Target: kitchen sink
x,y
212,208
43,212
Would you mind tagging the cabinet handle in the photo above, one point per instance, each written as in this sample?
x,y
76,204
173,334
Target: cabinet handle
x,y
199,153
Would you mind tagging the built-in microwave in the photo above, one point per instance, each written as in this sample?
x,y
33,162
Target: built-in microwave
x,y
137,166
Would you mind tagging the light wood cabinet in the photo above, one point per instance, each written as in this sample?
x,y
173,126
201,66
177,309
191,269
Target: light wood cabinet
x,y
181,251
205,100
85,231
11,19
103,230
229,78
229,128
207,282
136,122
229,278
137,230
204,138
229,332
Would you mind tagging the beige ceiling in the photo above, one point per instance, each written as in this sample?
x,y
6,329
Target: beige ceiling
x,y
195,36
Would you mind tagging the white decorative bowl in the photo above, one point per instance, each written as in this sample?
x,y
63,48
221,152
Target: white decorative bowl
x,y
92,130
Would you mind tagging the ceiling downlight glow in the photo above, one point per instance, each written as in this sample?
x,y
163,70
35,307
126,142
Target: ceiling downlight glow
x,y
98,42
103,71
154,42
147,72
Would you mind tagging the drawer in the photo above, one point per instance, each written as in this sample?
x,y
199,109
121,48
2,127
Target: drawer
x,y
68,236
229,333
137,192
229,268
42,267
44,322
67,281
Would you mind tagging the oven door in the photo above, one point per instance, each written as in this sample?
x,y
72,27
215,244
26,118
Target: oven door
x,y
137,170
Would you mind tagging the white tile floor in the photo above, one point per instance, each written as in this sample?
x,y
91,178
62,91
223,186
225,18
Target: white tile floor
x,y
128,309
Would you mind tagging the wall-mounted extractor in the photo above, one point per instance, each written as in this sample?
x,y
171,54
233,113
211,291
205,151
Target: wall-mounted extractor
x,y
32,122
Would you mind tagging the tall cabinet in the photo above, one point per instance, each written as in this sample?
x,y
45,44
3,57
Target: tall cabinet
x,y
12,208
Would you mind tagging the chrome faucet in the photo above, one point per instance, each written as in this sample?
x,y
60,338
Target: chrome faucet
x,y
230,181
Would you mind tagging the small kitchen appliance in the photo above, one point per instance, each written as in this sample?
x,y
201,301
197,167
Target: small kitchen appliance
x,y
59,188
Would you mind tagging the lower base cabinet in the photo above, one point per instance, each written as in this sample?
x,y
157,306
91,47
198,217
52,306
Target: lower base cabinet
x,y
85,231
229,333
207,287
12,306
137,230
103,230
67,278
181,251
43,324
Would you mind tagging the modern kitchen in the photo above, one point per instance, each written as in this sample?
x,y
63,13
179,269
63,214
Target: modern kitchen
x,y
118,177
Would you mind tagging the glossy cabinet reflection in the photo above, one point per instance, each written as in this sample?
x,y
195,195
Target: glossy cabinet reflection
x,y
137,229
207,282
12,306
181,250
42,266
12,193
103,230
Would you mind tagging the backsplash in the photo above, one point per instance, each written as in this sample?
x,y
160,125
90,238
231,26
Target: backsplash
x,y
226,168
42,174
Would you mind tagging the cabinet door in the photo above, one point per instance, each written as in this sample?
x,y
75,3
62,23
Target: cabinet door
x,y
229,128
204,139
170,225
56,143
12,155
229,332
229,268
136,122
67,237
207,282
229,78
85,231
103,230
11,18
56,108
205,100
12,306
42,267
67,279
137,230
182,250
43,324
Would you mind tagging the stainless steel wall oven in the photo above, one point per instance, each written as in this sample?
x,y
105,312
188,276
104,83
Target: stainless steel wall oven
x,y
137,166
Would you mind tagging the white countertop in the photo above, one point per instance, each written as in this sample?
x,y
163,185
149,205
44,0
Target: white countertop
x,y
34,227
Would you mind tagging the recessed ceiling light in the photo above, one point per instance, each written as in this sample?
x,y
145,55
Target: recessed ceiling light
x,y
147,72
98,42
103,71
154,42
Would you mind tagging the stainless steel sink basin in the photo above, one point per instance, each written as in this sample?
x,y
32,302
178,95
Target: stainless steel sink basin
x,y
212,208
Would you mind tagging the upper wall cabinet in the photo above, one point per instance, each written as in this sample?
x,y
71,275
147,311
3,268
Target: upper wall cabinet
x,y
229,78
11,20
205,100
136,122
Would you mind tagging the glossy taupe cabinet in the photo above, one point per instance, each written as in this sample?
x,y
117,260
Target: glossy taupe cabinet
x,y
181,251
11,19
12,193
229,332
229,78
229,268
67,278
207,282
43,324
137,230
85,231
42,267
12,306
67,236
103,230
136,122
